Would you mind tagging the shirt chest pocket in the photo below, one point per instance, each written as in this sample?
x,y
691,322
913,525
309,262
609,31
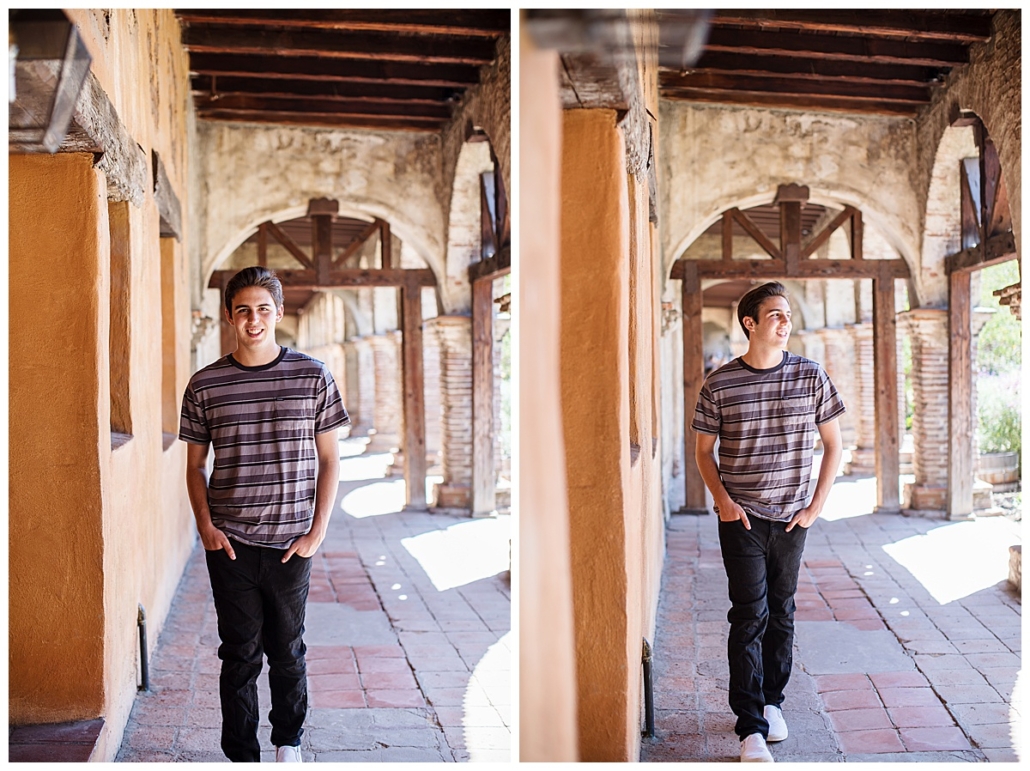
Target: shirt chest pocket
x,y
290,409
795,411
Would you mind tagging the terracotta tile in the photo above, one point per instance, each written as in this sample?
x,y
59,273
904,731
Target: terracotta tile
x,y
993,736
316,652
814,615
870,742
337,699
388,681
331,667
940,739
338,682
909,697
402,698
838,700
857,614
825,683
910,679
859,719
367,665
920,717
858,603
867,624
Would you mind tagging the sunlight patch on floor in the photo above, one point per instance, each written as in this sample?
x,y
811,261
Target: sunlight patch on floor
x,y
849,497
374,500
957,560
363,467
489,685
462,553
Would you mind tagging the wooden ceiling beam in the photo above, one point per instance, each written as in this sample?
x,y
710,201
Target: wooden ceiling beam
x,y
318,69
362,107
858,72
342,278
794,86
807,269
836,47
338,45
463,23
908,24
794,102
373,122
287,88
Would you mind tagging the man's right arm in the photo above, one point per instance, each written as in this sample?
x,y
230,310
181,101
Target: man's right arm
x,y
196,486
704,454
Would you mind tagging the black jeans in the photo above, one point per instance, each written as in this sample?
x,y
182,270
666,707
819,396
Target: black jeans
x,y
260,604
762,566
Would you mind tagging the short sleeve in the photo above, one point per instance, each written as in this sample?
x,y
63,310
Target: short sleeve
x,y
707,415
192,422
329,411
829,404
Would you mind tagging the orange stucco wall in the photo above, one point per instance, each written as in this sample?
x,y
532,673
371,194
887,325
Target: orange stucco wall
x,y
129,503
547,684
58,423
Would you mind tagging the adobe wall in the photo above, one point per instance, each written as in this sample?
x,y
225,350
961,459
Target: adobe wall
x,y
141,527
714,157
547,684
251,173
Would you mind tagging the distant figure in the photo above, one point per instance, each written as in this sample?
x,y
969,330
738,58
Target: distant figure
x,y
763,407
272,415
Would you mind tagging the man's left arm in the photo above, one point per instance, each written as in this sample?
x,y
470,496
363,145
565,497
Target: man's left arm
x,y
833,449
327,483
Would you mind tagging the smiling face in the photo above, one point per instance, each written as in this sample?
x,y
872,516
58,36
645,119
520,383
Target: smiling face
x,y
254,316
771,328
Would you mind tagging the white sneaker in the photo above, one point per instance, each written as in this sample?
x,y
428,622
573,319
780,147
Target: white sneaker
x,y
287,754
753,750
777,725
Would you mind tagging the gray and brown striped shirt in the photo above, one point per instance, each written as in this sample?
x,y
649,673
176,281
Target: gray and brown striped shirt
x,y
262,423
766,421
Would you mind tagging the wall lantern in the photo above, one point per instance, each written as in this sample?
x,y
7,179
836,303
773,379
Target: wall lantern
x,y
49,64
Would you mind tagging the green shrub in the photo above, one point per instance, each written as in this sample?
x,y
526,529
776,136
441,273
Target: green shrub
x,y
998,413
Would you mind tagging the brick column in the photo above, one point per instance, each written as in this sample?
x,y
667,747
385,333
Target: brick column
x,y
839,363
360,394
389,406
928,331
454,334
502,496
863,457
431,386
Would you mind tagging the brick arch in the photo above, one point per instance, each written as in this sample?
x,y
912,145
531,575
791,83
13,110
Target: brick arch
x,y
464,226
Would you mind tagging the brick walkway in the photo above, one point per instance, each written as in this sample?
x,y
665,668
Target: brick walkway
x,y
408,641
907,644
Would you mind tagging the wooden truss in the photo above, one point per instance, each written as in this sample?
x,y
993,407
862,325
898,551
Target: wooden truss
x,y
321,270
791,259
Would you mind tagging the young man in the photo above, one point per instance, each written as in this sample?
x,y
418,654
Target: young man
x,y
272,415
764,408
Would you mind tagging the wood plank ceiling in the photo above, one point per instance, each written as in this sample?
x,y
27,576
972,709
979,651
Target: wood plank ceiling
x,y
868,61
371,69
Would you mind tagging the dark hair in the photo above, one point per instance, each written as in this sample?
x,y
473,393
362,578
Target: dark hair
x,y
254,276
752,301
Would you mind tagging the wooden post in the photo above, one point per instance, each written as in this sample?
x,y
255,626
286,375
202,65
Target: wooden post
x,y
262,245
386,244
790,235
960,390
322,212
483,472
885,366
414,397
857,249
693,379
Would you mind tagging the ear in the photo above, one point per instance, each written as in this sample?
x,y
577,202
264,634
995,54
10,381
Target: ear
x,y
279,313
228,315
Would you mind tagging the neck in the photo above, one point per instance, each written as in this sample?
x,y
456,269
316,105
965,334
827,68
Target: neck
x,y
762,358
250,357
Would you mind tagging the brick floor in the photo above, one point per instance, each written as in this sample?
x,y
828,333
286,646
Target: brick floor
x,y
944,696
399,670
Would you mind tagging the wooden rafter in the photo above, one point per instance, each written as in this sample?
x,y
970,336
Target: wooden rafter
x,y
353,247
820,238
966,28
463,23
290,245
756,233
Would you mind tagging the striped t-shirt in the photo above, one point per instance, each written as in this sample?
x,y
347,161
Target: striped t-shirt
x,y
766,421
262,423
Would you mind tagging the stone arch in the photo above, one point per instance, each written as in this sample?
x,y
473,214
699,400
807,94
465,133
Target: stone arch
x,y
464,223
942,226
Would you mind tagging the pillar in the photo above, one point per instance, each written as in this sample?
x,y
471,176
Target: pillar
x,y
863,457
388,410
360,393
928,331
839,364
454,335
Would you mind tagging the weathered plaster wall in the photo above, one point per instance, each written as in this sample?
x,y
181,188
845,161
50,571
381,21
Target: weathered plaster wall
x,y
990,87
252,173
144,523
715,157
547,669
